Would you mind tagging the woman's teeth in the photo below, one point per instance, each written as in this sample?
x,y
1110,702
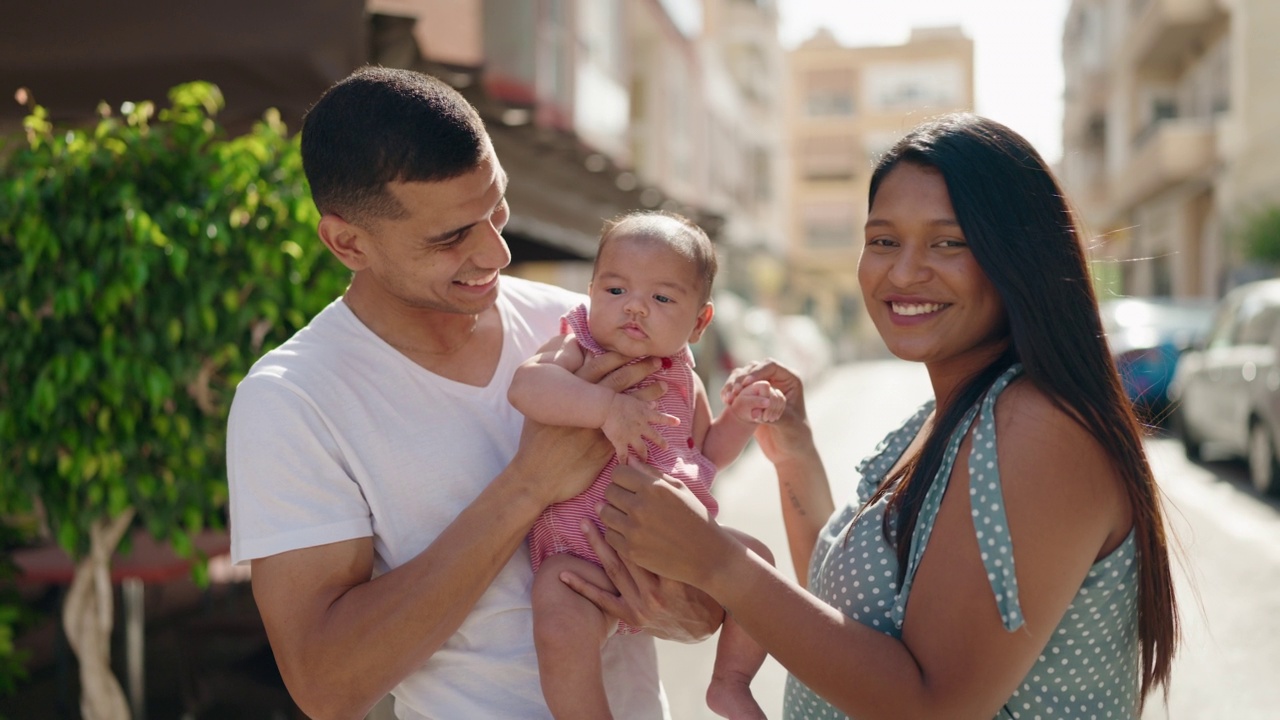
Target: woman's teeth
x,y
915,308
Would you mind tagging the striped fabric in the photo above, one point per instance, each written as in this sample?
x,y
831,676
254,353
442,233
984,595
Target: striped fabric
x,y
557,530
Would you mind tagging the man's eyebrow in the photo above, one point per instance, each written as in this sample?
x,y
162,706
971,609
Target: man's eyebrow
x,y
448,234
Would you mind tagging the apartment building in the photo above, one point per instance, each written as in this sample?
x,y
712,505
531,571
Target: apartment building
x,y
746,170
1169,137
847,106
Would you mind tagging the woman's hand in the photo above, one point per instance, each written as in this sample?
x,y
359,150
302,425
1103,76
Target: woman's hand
x,y
660,606
656,522
788,444
789,435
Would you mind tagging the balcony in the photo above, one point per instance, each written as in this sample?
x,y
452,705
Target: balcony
x,y
1165,154
1085,101
1166,31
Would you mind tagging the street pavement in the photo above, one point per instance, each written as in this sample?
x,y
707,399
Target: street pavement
x,y
1227,567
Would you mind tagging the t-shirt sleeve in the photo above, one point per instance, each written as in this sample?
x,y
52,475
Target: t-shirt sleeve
x,y
290,487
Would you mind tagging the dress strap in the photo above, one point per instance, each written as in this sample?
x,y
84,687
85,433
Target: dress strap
x,y
987,503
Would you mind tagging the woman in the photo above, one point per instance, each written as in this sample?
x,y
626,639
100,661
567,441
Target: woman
x,y
1006,554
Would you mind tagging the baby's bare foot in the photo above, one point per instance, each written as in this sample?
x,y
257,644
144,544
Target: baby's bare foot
x,y
729,696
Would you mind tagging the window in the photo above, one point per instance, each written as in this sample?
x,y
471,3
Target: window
x,y
829,93
912,86
1256,330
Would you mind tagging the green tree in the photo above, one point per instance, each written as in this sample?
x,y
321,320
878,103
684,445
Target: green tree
x,y
144,264
1259,237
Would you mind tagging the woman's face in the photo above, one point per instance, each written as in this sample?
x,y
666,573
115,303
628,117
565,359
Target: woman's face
x,y
923,288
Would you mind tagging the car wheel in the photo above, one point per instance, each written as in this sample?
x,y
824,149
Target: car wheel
x,y
1190,443
1264,470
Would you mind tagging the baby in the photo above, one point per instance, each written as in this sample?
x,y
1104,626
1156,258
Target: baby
x,y
650,297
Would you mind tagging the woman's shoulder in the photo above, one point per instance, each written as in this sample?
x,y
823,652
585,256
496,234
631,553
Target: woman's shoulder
x,y
1047,455
1027,414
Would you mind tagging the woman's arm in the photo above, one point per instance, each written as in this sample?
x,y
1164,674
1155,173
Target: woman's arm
x,y
788,444
1065,508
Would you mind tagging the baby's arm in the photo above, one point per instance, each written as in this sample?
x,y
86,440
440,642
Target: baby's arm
x,y
546,389
756,403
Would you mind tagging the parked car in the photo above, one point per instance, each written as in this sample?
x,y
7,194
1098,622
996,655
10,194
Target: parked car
x,y
1226,393
1146,336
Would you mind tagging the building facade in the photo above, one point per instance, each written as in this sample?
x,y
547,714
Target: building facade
x,y
1169,142
847,106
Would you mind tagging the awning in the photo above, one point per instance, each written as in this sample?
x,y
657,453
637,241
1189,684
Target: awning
x,y
72,54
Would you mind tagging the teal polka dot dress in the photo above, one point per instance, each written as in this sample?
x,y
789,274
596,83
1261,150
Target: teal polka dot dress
x,y
1089,668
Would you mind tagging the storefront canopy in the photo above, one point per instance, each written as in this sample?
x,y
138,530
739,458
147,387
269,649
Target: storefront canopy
x,y
72,54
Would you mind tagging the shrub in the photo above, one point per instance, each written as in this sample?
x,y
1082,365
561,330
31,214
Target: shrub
x,y
145,263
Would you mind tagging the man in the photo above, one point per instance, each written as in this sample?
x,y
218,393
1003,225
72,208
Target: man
x,y
381,484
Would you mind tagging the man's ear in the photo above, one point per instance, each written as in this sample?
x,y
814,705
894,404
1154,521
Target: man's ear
x,y
704,319
345,241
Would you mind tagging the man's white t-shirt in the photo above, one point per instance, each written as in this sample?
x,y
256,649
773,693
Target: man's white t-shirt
x,y
335,435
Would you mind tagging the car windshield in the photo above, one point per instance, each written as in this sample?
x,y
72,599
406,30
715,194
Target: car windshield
x,y
1135,322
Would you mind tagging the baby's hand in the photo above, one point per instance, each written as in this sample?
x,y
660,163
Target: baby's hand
x,y
630,422
758,402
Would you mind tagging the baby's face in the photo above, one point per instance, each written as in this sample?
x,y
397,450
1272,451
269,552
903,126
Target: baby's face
x,y
646,299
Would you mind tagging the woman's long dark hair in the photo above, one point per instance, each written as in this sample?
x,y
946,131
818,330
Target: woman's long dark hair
x,y
1025,238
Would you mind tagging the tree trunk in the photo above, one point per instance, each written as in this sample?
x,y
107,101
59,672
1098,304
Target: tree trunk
x,y
87,617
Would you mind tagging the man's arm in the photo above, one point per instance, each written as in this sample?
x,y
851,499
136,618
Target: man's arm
x,y
343,640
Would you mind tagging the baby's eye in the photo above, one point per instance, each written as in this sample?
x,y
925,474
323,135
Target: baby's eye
x,y
662,298
614,291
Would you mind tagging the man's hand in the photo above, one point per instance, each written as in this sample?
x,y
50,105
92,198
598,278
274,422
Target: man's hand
x,y
630,422
563,461
612,371
664,608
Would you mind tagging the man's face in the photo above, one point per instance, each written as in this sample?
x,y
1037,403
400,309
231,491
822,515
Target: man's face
x,y
445,252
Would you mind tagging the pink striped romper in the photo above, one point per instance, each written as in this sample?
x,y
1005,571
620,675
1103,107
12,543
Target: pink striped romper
x,y
557,531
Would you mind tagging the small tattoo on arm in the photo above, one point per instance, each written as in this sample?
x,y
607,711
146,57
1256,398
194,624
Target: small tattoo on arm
x,y
795,500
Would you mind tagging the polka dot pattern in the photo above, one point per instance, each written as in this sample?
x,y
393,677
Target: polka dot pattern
x,y
1089,669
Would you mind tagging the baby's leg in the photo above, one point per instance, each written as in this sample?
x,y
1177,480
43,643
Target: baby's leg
x,y
568,632
738,658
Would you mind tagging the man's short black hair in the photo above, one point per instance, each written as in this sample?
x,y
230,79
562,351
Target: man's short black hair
x,y
380,125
